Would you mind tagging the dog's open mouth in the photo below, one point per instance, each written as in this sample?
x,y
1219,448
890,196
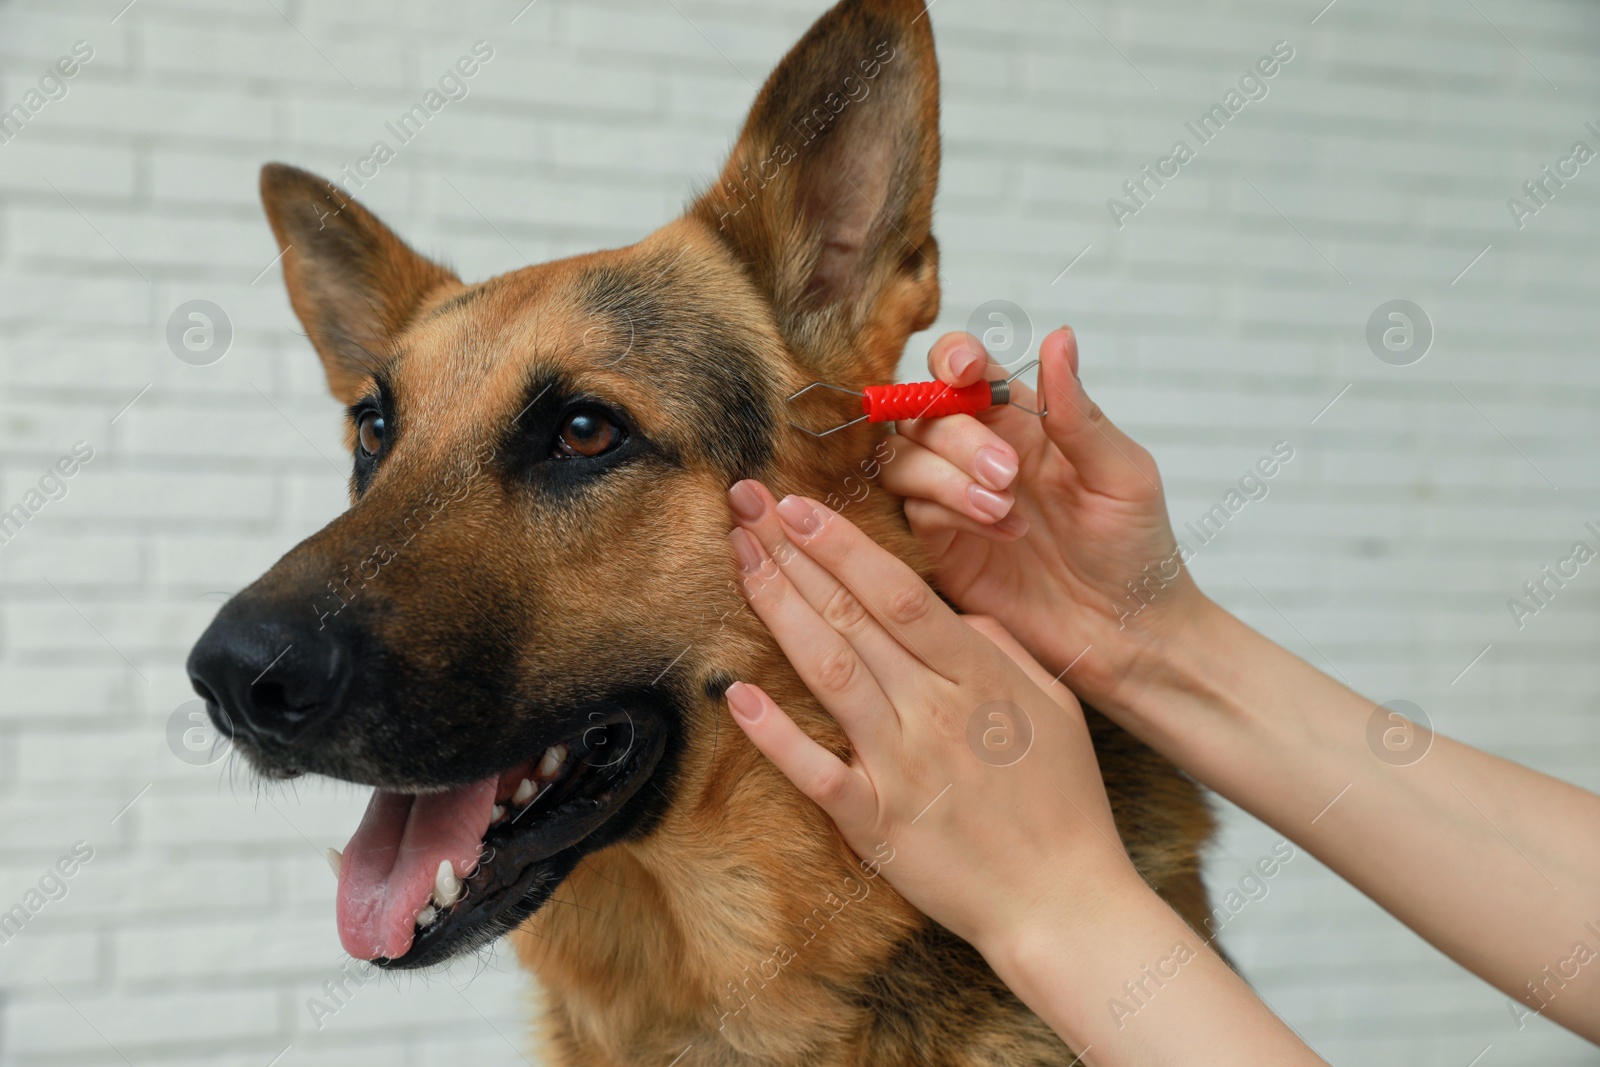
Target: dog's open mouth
x,y
429,875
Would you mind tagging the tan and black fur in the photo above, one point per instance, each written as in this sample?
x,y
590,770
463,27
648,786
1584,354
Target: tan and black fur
x,y
525,590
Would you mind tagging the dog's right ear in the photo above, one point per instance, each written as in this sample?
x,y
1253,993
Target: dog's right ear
x,y
353,283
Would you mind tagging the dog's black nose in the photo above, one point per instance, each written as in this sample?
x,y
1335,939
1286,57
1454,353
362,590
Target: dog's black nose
x,y
266,677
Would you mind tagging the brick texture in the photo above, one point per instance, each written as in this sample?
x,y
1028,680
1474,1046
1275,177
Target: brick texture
x,y
1225,310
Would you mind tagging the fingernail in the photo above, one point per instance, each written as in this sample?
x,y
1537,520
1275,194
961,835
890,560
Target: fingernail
x,y
799,514
746,501
962,360
745,550
1072,363
744,703
995,468
991,504
1014,525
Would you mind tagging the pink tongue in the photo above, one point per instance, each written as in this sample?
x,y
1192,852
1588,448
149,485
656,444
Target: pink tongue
x,y
390,864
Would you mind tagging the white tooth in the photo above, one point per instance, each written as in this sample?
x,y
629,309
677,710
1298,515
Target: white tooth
x,y
426,915
554,757
446,886
524,793
335,860
497,813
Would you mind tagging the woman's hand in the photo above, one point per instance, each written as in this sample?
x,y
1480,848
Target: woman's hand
x,y
1056,526
984,786
1010,846
1481,862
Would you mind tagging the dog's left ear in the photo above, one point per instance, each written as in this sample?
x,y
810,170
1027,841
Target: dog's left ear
x,y
828,195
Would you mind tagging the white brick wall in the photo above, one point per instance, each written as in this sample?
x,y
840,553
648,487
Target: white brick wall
x,y
1212,326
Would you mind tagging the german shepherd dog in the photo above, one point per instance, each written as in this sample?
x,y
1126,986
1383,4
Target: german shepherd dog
x,y
520,632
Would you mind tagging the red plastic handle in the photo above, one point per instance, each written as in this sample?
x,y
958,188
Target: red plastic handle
x,y
924,400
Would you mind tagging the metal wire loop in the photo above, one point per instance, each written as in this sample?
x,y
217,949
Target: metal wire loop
x,y
823,385
1024,369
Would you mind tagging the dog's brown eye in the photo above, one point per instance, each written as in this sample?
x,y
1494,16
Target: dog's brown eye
x,y
369,433
587,434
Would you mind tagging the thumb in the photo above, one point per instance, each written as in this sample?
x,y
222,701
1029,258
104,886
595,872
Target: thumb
x,y
1036,672
958,359
1106,459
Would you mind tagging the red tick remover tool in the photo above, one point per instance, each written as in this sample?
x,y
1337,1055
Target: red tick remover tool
x,y
922,400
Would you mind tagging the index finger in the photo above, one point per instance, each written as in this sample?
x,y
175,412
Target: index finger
x,y
959,359
991,628
895,595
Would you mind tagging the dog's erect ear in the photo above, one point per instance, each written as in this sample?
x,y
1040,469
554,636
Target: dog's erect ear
x,y
353,283
828,195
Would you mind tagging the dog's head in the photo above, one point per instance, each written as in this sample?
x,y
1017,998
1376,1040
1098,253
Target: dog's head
x,y
520,630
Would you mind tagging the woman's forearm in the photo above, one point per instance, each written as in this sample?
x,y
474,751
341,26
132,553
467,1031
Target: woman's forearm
x,y
1496,865
1124,980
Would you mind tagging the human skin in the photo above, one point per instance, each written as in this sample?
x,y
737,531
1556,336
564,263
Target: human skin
x,y
1497,865
1021,860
